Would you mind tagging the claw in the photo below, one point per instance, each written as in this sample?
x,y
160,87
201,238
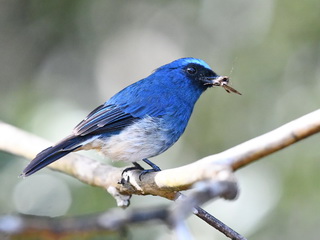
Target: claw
x,y
147,171
137,166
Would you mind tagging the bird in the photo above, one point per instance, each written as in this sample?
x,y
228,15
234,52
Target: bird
x,y
141,121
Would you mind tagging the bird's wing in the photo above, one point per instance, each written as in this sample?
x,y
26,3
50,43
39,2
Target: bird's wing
x,y
104,119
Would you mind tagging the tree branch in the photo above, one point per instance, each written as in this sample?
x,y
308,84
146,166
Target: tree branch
x,y
266,144
215,168
164,183
115,219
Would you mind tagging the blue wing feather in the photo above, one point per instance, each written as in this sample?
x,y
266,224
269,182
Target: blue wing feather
x,y
104,119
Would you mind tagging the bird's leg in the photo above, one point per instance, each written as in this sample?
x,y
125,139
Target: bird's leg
x,y
155,168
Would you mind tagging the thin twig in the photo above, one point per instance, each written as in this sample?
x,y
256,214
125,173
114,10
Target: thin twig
x,y
204,192
217,224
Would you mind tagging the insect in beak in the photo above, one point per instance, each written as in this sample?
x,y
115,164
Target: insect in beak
x,y
223,81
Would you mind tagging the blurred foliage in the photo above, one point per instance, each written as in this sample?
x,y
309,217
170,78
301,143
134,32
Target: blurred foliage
x,y
60,59
45,235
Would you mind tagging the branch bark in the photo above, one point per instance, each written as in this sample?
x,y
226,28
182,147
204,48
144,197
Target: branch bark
x,y
218,167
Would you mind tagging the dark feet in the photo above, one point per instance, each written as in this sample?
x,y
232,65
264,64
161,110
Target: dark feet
x,y
137,166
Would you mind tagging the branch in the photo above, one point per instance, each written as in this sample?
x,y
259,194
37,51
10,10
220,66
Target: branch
x,y
273,141
115,219
165,183
112,220
204,191
214,168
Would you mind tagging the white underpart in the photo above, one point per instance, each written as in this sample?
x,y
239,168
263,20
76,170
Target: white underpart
x,y
143,139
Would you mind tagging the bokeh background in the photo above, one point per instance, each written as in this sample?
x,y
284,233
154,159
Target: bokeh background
x,y
60,59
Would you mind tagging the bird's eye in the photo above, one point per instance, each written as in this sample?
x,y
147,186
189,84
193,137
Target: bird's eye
x,y
191,70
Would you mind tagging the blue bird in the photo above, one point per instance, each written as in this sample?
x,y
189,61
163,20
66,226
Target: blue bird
x,y
141,121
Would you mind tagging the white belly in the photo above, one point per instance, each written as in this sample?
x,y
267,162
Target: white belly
x,y
146,138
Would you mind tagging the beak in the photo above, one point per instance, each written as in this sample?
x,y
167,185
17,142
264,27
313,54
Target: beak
x,y
221,81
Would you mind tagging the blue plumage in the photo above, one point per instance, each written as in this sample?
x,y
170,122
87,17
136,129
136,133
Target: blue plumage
x,y
141,121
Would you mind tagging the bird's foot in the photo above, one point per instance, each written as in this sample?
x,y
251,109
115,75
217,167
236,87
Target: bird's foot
x,y
137,166
155,168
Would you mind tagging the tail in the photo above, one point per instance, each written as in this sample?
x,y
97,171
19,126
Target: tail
x,y
54,153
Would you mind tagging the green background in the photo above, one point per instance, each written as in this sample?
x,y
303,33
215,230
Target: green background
x,y
60,59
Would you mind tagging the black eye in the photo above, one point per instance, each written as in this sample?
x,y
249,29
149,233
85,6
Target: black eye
x,y
191,70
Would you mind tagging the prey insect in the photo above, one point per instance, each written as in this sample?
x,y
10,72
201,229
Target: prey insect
x,y
223,82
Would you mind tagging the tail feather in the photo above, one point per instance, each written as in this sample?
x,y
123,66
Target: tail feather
x,y
53,153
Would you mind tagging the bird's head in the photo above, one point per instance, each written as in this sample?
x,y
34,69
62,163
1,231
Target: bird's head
x,y
195,72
